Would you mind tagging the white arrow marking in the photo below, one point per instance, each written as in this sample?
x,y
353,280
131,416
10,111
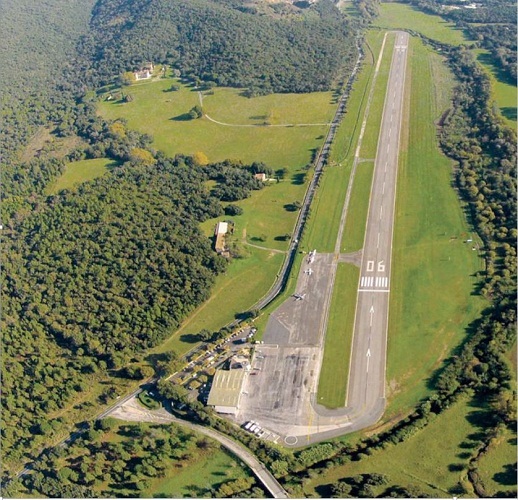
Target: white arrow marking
x,y
372,312
368,359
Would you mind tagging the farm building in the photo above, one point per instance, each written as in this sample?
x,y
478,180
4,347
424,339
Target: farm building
x,y
145,72
261,177
226,390
220,232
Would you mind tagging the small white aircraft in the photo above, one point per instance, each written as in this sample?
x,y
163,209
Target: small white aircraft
x,y
298,296
309,272
311,256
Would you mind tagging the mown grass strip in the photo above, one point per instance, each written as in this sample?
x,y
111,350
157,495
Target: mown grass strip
x,y
347,134
433,266
354,232
370,139
332,384
326,209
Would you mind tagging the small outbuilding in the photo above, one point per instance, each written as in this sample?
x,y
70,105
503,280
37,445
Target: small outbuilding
x,y
220,232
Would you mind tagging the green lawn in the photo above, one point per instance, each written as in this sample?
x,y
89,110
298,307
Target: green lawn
x,y
163,115
81,171
354,231
332,384
497,467
196,480
404,16
434,459
433,268
244,283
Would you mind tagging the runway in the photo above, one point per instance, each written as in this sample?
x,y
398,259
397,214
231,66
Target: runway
x,y
282,394
367,373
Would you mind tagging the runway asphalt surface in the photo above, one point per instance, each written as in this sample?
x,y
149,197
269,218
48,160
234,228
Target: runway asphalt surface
x,y
281,395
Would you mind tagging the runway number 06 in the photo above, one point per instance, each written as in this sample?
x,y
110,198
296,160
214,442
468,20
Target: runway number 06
x,y
370,266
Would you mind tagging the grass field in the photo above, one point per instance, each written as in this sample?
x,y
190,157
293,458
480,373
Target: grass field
x,y
354,232
244,283
163,114
267,215
497,467
332,384
196,480
404,16
81,171
434,459
504,90
433,266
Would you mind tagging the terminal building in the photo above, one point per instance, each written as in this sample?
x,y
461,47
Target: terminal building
x,y
225,392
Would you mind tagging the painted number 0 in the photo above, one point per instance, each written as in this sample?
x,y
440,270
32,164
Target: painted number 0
x,y
370,266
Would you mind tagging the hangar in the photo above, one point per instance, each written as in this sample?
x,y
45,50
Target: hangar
x,y
226,390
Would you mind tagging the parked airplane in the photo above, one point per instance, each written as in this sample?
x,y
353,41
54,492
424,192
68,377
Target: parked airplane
x,y
311,256
309,271
298,296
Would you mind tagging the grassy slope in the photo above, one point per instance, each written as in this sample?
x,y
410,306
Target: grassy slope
x,y
432,279
81,171
161,114
332,384
245,282
427,460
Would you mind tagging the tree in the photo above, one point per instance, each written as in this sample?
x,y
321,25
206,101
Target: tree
x,y
195,112
341,489
199,157
233,210
204,335
169,390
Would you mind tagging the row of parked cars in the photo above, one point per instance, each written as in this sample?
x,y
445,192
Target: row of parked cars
x,y
254,428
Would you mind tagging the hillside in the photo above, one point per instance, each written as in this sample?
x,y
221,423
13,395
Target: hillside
x,y
268,48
